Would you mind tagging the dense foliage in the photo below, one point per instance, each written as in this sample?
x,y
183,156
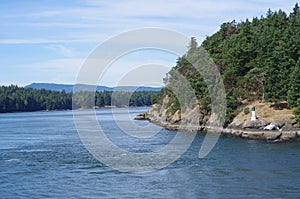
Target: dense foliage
x,y
113,98
18,99
258,60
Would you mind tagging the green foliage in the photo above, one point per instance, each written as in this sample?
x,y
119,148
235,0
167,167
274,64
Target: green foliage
x,y
294,87
15,99
297,112
173,105
258,60
231,111
257,56
246,111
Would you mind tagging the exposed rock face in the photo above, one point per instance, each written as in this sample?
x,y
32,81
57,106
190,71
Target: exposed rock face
x,y
289,135
158,114
247,124
142,116
176,117
256,124
291,122
289,125
272,135
254,130
190,120
253,134
195,120
236,124
262,135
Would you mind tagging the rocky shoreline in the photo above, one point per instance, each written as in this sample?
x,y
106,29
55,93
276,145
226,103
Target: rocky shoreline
x,y
286,130
257,134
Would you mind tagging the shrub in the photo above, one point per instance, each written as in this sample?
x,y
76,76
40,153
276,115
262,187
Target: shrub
x,y
246,111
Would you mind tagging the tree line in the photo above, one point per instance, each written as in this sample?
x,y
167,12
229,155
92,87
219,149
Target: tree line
x,y
257,59
19,99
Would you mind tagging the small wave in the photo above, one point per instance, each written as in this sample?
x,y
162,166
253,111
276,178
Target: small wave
x,y
11,160
34,150
91,167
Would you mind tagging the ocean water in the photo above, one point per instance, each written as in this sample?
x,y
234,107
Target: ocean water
x,y
41,156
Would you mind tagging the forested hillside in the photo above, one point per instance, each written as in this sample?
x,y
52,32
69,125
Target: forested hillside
x,y
18,99
258,60
68,88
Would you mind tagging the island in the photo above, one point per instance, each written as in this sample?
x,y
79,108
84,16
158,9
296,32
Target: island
x,y
259,64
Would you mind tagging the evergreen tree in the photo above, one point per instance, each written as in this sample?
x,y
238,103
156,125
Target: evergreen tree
x,y
257,59
294,86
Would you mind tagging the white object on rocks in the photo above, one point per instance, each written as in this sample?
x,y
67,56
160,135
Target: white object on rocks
x,y
253,114
271,127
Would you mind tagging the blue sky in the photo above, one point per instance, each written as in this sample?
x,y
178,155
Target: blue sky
x,y
48,40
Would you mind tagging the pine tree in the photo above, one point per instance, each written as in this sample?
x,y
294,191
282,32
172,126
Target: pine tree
x,y
294,86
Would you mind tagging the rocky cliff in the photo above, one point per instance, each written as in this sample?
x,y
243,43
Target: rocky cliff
x,y
189,119
241,126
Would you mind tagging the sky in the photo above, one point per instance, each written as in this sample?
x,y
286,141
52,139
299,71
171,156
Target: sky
x,y
49,40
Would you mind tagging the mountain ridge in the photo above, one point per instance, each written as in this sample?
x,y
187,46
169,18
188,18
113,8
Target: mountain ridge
x,y
69,87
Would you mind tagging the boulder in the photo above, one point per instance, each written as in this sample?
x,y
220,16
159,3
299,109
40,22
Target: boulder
x,y
289,135
261,135
237,133
257,135
154,114
272,135
192,117
173,127
176,117
256,124
142,116
290,125
280,124
291,122
236,124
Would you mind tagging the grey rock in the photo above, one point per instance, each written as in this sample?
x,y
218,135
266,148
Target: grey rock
x,y
253,135
142,116
236,124
272,135
175,118
291,122
289,135
280,124
237,133
290,128
261,135
256,124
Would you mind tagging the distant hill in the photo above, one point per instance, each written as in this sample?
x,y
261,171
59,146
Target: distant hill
x,y
69,87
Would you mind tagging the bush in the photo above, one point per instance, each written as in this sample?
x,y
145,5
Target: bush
x,y
246,111
297,112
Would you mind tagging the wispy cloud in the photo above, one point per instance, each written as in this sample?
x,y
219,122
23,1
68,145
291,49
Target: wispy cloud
x,y
110,17
63,27
63,50
82,39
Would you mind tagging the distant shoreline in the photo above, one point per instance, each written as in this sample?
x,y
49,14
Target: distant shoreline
x,y
103,107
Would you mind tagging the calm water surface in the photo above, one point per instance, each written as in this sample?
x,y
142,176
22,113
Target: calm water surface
x,y
41,156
